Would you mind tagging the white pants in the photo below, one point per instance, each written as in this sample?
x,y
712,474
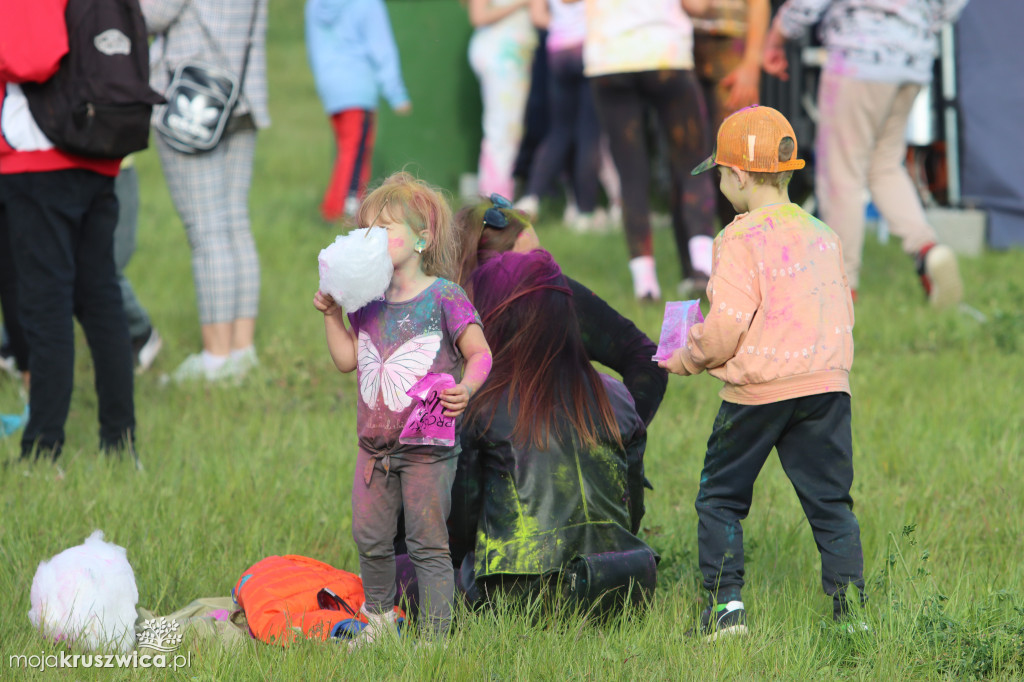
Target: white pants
x,y
862,145
502,61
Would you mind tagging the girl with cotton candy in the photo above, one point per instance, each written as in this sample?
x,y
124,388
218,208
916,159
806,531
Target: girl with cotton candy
x,y
424,324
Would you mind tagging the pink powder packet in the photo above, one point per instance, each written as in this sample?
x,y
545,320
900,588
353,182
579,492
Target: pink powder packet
x,y
679,317
427,424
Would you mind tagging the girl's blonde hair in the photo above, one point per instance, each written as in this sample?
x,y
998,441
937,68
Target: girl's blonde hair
x,y
402,197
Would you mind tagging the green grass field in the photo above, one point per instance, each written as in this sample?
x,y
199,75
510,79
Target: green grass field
x,y
236,474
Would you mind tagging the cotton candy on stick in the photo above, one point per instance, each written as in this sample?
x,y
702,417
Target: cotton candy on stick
x,y
356,268
679,317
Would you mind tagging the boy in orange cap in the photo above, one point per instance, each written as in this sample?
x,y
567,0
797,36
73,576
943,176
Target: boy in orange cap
x,y
779,333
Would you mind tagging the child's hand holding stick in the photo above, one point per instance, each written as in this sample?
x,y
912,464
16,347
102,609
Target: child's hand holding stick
x,y
326,304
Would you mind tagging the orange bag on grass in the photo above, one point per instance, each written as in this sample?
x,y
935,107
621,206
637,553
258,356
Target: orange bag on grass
x,y
283,596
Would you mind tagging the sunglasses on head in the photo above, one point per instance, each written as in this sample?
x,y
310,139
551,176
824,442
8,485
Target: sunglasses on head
x,y
493,217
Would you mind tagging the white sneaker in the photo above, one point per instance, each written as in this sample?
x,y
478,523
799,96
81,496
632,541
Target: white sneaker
x,y
585,222
615,216
378,626
241,362
8,365
602,223
571,213
940,276
194,368
700,248
660,221
351,206
595,223
645,278
147,352
528,204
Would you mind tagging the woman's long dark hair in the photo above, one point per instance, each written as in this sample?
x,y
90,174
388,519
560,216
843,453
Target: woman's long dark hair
x,y
539,359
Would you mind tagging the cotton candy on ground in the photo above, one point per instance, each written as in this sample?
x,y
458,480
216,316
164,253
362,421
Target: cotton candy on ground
x,y
356,268
87,595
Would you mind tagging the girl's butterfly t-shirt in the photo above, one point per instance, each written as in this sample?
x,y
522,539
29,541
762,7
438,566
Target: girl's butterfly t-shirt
x,y
398,344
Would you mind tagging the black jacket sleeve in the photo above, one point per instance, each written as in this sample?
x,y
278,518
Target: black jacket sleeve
x,y
618,344
466,498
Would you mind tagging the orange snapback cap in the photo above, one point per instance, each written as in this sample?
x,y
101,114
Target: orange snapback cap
x,y
749,140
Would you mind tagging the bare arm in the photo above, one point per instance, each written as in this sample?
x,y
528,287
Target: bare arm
x,y
474,348
696,8
482,13
775,61
540,13
341,341
744,82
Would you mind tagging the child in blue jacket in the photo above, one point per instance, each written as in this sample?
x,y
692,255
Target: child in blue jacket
x,y
354,59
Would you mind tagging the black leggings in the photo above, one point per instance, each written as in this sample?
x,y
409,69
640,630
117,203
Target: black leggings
x,y
574,130
9,296
674,94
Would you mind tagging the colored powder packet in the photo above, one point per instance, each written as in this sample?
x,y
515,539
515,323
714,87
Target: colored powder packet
x,y
679,317
427,423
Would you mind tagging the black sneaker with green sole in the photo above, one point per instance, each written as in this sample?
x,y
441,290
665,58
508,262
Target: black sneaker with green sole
x,y
723,620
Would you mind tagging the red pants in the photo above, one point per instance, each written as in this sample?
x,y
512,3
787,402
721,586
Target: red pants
x,y
354,131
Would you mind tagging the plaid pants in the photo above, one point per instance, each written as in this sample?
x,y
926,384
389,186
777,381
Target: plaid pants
x,y
211,194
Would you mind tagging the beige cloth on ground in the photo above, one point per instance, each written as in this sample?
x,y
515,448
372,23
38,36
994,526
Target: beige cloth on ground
x,y
195,622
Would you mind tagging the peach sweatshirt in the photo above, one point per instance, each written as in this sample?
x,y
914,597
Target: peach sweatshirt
x,y
780,323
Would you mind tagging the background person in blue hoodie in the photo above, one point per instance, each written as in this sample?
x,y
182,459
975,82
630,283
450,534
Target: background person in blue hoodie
x,y
354,59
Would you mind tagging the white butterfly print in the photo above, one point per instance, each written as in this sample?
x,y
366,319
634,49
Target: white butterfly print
x,y
393,377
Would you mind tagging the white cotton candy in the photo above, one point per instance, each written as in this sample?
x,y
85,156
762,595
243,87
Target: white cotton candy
x,y
87,594
356,268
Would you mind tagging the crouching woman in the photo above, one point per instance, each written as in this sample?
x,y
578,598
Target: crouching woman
x,y
550,479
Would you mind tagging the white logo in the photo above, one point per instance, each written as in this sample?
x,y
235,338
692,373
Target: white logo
x,y
112,42
194,117
160,634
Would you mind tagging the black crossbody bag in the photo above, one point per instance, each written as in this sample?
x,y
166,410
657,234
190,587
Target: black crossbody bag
x,y
201,98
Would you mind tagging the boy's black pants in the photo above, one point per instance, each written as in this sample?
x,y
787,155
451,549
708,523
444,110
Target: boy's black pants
x,y
813,439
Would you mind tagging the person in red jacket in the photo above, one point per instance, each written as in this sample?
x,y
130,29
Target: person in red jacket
x,y
61,213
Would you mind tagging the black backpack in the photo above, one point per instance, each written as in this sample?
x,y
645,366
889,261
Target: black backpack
x,y
99,102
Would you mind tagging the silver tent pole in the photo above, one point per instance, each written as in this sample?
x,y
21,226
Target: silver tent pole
x,y
950,118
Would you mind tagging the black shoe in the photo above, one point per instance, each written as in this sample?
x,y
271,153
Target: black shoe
x,y
843,614
39,452
121,446
723,620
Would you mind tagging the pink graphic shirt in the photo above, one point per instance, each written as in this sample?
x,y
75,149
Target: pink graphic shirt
x,y
399,343
780,323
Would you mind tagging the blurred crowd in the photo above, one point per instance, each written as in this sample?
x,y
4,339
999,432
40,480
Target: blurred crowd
x,y
632,89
